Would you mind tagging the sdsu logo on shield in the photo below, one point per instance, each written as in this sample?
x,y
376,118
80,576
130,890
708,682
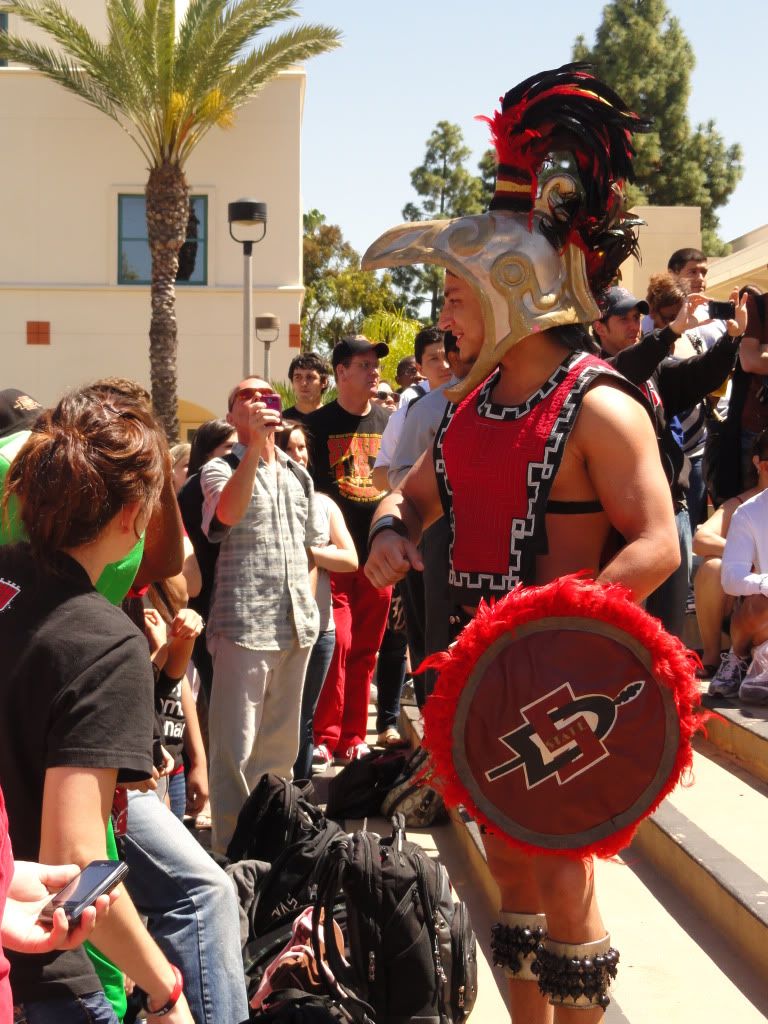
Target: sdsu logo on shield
x,y
563,735
8,591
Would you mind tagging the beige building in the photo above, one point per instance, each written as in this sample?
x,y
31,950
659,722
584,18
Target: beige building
x,y
74,304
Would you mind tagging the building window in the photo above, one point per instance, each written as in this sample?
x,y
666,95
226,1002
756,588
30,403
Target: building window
x,y
134,262
3,28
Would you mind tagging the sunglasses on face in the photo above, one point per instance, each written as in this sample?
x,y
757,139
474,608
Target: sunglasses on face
x,y
247,394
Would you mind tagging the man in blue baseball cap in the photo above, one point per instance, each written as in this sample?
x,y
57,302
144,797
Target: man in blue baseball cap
x,y
619,325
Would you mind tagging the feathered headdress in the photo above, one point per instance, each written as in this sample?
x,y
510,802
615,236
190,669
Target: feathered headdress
x,y
536,261
570,110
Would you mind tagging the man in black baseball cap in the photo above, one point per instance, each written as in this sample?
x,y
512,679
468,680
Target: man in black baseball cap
x,y
18,411
346,437
357,345
620,323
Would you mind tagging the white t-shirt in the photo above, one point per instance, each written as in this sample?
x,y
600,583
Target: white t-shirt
x,y
745,559
394,427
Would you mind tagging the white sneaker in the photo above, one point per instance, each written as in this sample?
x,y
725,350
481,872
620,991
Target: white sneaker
x,y
321,758
729,676
354,753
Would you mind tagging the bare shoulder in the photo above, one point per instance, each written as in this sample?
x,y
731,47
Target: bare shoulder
x,y
611,414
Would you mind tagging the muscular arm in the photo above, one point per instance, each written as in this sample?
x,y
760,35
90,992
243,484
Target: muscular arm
x,y
621,456
417,503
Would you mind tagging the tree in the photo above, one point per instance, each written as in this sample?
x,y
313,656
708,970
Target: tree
x,y
166,89
338,294
446,189
398,331
642,51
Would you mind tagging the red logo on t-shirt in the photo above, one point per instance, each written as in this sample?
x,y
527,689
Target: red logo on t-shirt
x,y
8,591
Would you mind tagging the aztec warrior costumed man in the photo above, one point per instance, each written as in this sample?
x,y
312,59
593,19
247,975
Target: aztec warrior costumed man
x,y
547,466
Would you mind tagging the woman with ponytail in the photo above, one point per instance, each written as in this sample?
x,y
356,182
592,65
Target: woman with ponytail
x,y
76,707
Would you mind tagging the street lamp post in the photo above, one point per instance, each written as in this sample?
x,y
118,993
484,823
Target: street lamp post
x,y
267,331
250,218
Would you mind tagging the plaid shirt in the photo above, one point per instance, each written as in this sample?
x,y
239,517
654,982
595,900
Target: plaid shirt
x,y
261,594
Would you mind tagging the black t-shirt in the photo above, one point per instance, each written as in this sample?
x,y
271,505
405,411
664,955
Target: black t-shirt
x,y
169,711
76,689
292,413
344,450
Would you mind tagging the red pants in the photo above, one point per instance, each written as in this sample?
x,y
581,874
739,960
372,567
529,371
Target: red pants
x,y
360,614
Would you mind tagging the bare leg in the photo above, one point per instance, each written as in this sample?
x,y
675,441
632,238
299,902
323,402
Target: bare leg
x,y
711,608
568,891
513,873
749,624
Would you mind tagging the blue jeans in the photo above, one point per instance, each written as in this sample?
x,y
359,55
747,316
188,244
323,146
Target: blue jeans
x,y
668,601
696,494
317,670
177,794
89,1009
191,907
390,676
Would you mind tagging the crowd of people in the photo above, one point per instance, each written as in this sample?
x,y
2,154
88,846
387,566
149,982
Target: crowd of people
x,y
177,622
261,607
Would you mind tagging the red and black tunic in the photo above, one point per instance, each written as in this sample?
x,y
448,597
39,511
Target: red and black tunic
x,y
495,465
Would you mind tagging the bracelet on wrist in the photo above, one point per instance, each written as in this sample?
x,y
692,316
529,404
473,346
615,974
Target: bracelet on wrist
x,y
388,522
173,998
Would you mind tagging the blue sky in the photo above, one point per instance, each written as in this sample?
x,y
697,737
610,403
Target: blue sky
x,y
406,64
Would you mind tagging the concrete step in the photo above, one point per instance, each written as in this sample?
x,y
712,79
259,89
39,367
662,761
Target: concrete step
x,y
676,966
740,731
711,840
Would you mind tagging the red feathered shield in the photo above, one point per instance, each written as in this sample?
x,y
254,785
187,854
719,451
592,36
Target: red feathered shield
x,y
562,717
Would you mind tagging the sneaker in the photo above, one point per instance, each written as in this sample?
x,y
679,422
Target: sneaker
x,y
729,676
321,758
353,753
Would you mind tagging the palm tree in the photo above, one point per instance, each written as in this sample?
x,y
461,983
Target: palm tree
x,y
166,88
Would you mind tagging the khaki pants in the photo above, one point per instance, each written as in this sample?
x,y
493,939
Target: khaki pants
x,y
253,725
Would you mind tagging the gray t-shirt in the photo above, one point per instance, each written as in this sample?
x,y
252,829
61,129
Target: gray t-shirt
x,y
421,422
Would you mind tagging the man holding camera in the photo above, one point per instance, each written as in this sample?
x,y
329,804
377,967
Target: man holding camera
x,y
263,620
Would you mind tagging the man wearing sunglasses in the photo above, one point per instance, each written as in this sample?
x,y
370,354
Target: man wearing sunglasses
x,y
259,506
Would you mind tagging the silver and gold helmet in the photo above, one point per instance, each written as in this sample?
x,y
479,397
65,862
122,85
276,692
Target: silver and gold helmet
x,y
537,258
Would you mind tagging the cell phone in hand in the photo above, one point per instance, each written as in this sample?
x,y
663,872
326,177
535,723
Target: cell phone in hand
x,y
97,878
273,402
722,310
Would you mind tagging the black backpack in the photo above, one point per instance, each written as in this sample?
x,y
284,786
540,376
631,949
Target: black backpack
x,y
359,788
278,825
412,951
292,1006
411,794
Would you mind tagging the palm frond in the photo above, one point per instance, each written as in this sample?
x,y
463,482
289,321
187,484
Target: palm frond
x,y
228,32
263,63
73,38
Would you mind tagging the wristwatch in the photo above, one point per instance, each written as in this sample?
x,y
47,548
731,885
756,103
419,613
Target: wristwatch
x,y
388,522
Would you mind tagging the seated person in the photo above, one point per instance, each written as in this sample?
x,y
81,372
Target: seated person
x,y
744,574
713,605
